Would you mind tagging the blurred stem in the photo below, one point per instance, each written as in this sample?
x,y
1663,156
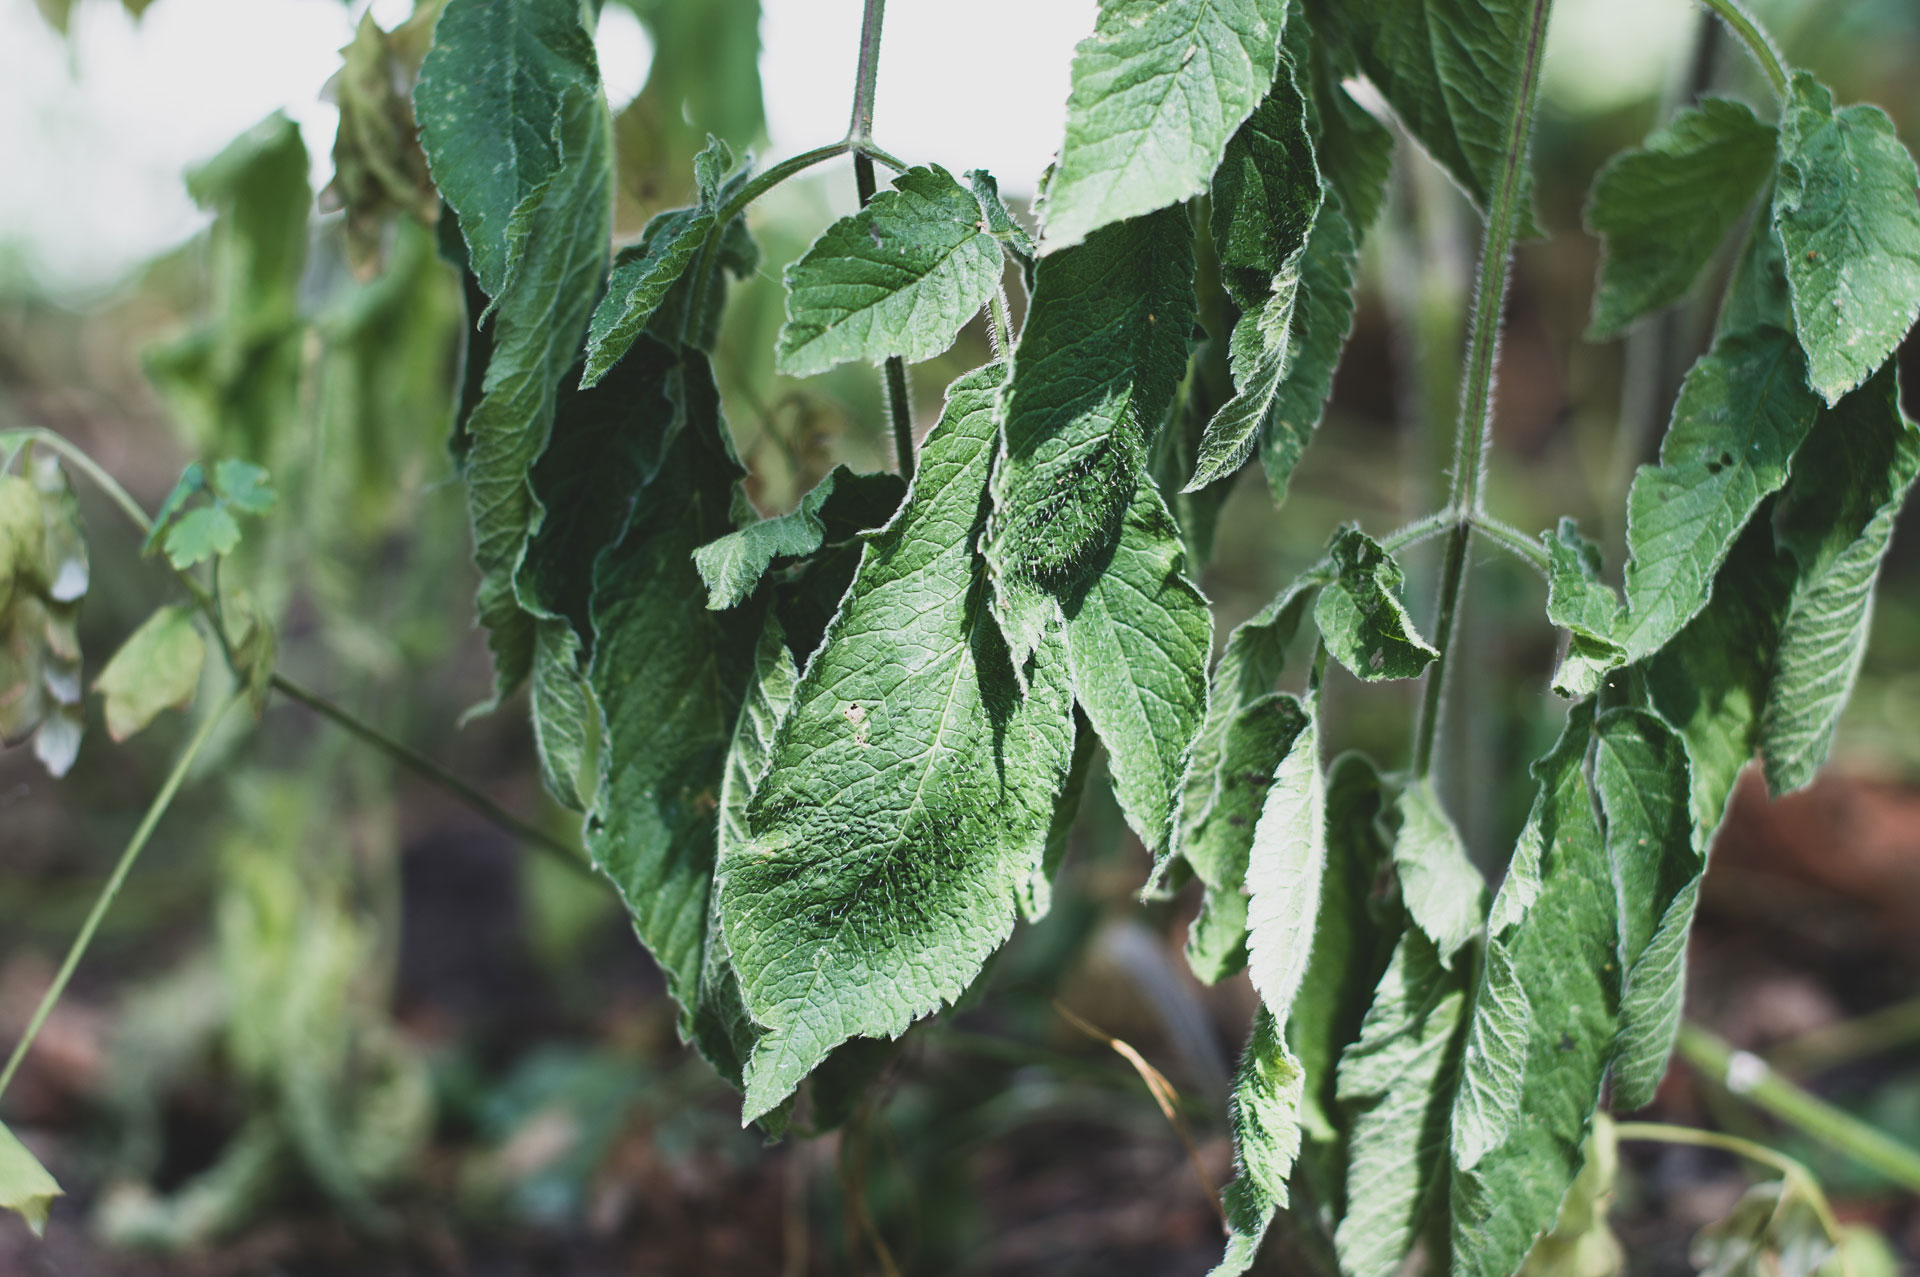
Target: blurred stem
x,y
1789,1168
157,809
405,755
1475,425
1850,1040
1753,1080
1758,43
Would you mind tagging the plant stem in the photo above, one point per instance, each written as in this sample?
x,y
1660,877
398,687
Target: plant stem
x,y
408,757
859,134
1475,425
1735,15
860,126
104,900
1822,1049
1753,1080
1789,1168
1512,540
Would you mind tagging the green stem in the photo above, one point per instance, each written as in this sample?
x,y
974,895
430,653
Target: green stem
x,y
104,901
1789,1168
1414,533
408,757
1735,15
1512,540
1753,1080
1850,1040
859,134
860,126
1475,424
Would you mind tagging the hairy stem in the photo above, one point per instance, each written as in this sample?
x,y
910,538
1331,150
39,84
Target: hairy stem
x,y
1512,540
1476,403
1753,1080
1758,43
406,756
860,126
104,901
859,132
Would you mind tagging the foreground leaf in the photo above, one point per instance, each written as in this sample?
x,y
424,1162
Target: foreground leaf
x,y
1158,88
1322,316
1664,210
1848,218
1442,890
157,668
1585,606
1361,616
25,1187
1264,1112
1284,868
838,507
899,277
910,788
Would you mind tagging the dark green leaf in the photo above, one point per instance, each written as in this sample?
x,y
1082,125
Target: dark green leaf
x,y
1264,1111
1322,317
1360,615
1585,606
840,505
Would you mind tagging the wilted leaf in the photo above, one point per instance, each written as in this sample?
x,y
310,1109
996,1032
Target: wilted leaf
x,y
157,668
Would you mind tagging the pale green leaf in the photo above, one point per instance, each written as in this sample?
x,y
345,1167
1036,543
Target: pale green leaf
x,y
644,272
1581,1244
1158,88
1442,890
1398,1078
25,1187
1543,1024
22,539
43,585
841,505
1284,868
1664,210
1775,1229
1137,639
1361,616
1104,348
899,277
157,668
206,532
1322,318
1585,606
910,788
243,486
1264,1112
1845,208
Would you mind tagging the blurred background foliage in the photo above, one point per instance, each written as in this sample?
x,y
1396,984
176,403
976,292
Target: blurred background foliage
x,y
338,1024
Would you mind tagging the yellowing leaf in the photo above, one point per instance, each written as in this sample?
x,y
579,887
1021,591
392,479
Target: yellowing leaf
x,y
25,1186
157,668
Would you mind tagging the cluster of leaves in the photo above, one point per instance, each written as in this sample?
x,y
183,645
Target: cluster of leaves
x,y
827,758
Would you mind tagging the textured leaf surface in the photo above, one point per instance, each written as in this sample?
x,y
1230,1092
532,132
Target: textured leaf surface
x,y
25,1187
1360,615
1442,890
839,506
1158,88
1744,408
1137,641
1836,519
1849,220
44,575
1284,868
1663,210
1322,318
1264,1112
899,277
644,272
157,668
1585,606
1542,1026
910,788
1104,348
1399,1077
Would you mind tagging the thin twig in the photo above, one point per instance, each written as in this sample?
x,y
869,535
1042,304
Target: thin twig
x,y
1751,34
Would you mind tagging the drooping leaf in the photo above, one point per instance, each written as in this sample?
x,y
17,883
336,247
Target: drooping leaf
x,y
1323,316
997,220
379,169
1744,408
1442,890
1361,616
910,788
1664,210
1847,215
1036,896
44,574
1398,1078
703,82
1264,1112
644,272
1581,1243
1284,868
1775,1228
1158,88
157,668
1836,519
25,1187
1137,639
207,532
899,277
1103,350
1640,773
1353,149
838,507
1542,1025
1585,606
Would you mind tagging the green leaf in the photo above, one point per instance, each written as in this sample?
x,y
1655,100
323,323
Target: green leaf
x,y
1543,1023
1640,773
23,540
378,167
1137,640
25,1187
1585,606
1442,890
910,789
243,486
1581,1244
997,219
1284,868
1836,518
1845,209
899,277
1360,615
41,589
1774,1228
157,668
1104,348
1264,1112
1322,317
1398,1078
192,481
1353,149
1744,408
517,135
1158,88
201,534
838,507
1663,210
1036,897
644,272
1451,71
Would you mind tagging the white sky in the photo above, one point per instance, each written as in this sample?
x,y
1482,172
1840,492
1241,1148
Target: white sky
x,y
96,132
